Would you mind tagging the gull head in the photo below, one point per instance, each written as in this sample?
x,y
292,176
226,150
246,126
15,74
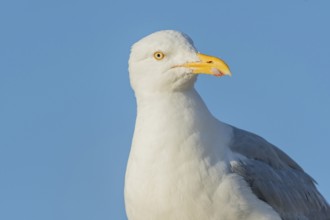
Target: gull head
x,y
167,61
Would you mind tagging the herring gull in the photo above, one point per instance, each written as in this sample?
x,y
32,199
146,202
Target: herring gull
x,y
185,164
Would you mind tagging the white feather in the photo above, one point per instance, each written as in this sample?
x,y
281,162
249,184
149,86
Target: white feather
x,y
179,164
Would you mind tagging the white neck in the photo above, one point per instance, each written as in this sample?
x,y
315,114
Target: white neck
x,y
179,151
178,122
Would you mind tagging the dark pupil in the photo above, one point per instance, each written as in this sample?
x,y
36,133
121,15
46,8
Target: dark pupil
x,y
158,55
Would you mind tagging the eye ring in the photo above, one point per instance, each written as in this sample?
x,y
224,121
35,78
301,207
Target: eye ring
x,y
159,55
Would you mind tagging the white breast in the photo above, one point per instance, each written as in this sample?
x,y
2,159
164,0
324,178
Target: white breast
x,y
179,166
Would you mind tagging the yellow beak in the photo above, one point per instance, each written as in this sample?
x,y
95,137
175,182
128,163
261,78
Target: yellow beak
x,y
209,65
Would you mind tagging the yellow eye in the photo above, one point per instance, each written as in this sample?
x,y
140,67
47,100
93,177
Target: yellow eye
x,y
159,55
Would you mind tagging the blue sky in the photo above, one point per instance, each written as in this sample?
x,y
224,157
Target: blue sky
x,y
67,110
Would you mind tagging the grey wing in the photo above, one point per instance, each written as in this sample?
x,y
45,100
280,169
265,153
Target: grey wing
x,y
276,179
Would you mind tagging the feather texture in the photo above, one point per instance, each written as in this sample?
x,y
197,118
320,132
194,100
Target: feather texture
x,y
277,179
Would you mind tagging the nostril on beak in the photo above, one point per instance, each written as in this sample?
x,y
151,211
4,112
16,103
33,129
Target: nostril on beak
x,y
209,61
